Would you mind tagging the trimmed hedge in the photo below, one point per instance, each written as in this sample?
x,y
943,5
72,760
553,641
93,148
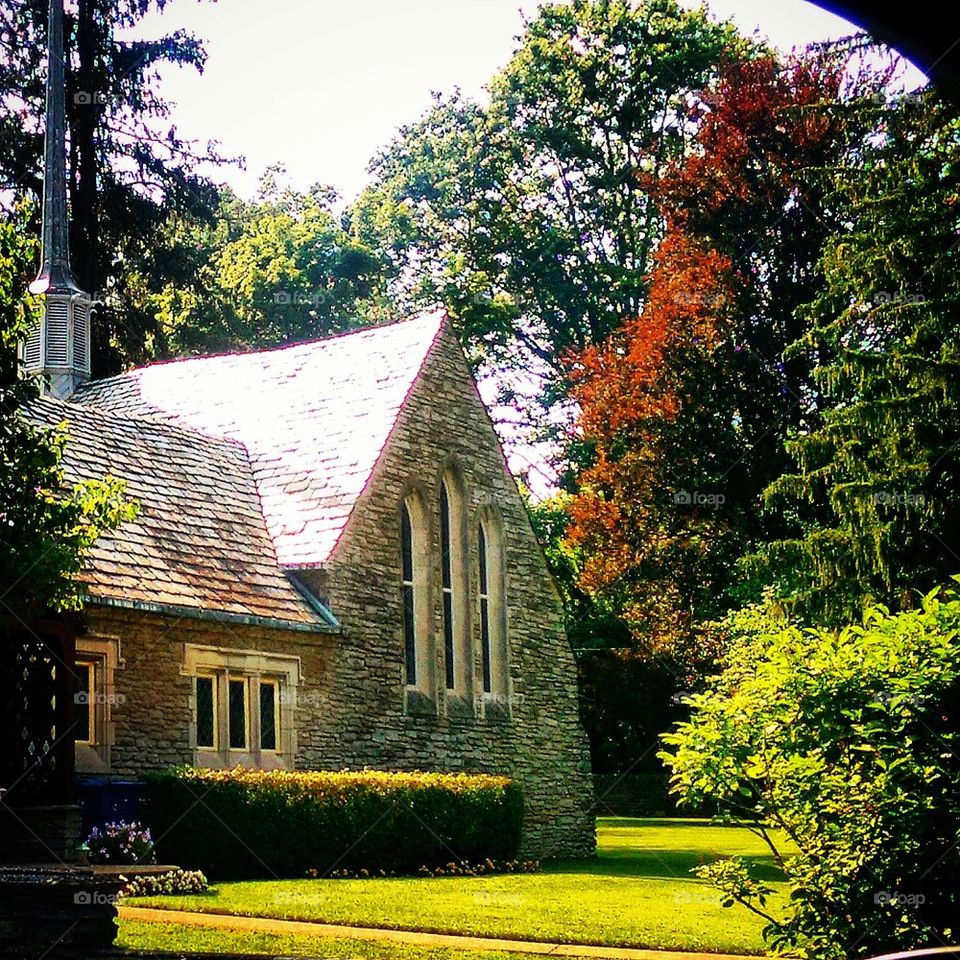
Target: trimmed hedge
x,y
243,824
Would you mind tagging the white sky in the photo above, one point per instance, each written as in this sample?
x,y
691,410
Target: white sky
x,y
319,85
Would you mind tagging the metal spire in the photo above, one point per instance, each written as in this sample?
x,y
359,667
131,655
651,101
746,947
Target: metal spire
x,y
58,348
55,275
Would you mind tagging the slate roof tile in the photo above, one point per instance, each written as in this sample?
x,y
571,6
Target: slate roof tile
x,y
201,545
314,418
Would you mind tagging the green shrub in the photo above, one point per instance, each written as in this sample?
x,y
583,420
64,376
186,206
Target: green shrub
x,y
238,824
848,742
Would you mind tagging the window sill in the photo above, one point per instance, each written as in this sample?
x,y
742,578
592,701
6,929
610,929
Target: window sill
x,y
419,704
219,760
459,707
89,758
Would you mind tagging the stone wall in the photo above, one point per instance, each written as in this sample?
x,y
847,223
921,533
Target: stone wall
x,y
151,717
351,706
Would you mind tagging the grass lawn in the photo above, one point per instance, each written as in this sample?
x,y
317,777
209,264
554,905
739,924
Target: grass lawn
x,y
171,938
637,892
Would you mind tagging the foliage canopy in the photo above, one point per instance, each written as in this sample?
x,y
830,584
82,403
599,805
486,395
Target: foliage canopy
x,y
846,741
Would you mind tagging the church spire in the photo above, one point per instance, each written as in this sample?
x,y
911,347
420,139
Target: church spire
x,y
59,347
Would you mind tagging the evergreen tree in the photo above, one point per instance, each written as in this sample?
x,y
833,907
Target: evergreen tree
x,y
874,494
128,170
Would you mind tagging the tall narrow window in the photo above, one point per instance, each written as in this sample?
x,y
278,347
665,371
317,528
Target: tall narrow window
x,y
455,596
238,714
85,698
417,605
446,563
484,610
493,610
269,697
409,595
206,713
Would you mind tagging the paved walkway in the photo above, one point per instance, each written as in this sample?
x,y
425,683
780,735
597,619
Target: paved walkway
x,y
410,937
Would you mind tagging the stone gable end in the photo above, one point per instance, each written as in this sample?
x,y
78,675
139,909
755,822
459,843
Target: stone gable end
x,y
538,737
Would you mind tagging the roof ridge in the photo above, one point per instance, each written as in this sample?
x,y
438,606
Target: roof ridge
x,y
277,348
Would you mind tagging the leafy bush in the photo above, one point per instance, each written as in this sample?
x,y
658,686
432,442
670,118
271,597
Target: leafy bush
x,y
171,883
847,742
248,823
124,843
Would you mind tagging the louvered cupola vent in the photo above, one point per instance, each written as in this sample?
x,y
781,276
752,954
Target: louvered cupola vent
x,y
33,349
81,336
58,331
60,346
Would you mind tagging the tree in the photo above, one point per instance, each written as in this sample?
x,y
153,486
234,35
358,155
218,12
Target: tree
x,y
45,525
839,748
276,270
626,696
19,253
871,499
126,173
526,219
685,409
45,530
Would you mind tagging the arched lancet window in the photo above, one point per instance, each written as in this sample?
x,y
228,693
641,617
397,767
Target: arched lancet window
x,y
493,612
484,593
413,556
456,643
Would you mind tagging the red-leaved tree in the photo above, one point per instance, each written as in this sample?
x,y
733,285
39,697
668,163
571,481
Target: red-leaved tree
x,y
685,409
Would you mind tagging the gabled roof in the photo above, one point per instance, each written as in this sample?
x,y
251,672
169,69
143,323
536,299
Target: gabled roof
x,y
199,545
312,418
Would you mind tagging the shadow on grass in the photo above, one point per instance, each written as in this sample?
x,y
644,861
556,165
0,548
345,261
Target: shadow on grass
x,y
658,864
669,849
